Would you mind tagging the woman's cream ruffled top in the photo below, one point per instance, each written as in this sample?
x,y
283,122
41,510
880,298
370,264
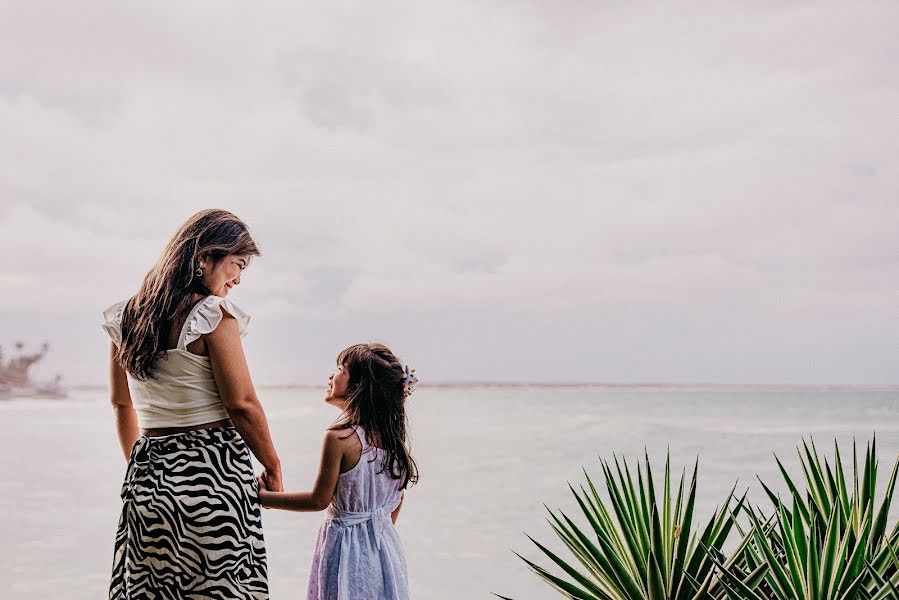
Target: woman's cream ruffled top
x,y
182,391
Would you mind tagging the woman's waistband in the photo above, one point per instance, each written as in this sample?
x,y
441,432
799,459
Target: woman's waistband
x,y
164,431
190,439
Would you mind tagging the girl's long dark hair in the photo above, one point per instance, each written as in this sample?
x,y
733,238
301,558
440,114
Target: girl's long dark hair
x,y
166,295
376,401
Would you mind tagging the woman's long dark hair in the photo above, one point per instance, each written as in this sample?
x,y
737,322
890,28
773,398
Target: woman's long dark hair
x,y
167,291
376,401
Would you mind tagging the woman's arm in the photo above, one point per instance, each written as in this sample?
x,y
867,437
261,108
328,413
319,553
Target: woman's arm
x,y
232,376
125,417
325,483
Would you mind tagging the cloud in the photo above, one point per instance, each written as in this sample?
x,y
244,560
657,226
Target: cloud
x,y
455,159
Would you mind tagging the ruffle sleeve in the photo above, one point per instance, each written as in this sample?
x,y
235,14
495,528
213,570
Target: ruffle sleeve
x,y
112,322
209,313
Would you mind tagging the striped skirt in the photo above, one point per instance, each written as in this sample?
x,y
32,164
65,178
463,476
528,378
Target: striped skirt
x,y
190,525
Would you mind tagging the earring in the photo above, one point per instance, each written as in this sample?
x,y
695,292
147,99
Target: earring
x,y
199,272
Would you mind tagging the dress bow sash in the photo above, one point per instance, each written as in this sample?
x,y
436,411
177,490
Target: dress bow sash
x,y
380,518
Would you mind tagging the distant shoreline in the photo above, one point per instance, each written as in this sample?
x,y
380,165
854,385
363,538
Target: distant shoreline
x,y
646,387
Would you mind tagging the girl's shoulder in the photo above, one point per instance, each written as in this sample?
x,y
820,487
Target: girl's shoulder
x,y
350,440
346,444
341,433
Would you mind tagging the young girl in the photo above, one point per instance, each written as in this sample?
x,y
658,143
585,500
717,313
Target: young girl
x,y
365,466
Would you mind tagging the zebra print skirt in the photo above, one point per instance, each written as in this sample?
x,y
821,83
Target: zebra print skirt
x,y
190,525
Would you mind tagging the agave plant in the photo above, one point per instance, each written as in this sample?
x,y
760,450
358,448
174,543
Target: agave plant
x,y
649,550
829,542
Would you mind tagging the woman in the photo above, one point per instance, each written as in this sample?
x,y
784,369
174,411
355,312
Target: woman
x,y
186,413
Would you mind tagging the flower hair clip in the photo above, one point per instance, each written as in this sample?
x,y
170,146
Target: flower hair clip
x,y
409,382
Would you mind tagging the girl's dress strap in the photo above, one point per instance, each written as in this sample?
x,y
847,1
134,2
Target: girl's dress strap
x,y
361,433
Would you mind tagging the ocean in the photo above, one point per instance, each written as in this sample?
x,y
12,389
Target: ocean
x,y
489,459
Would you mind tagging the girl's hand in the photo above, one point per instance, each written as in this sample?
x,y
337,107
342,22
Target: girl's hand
x,y
261,481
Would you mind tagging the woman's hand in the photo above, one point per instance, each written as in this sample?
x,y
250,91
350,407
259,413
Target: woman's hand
x,y
270,480
263,489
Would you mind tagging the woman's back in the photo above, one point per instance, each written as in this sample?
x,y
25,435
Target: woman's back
x,y
182,391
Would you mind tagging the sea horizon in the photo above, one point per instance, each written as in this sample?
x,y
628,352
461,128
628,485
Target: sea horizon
x,y
596,385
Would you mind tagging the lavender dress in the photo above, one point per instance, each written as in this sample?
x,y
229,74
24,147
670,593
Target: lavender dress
x,y
358,554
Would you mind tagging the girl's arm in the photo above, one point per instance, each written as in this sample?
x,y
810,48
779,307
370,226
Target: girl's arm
x,y
125,417
232,376
325,483
396,511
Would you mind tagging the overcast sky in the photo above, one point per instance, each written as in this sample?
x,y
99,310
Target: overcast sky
x,y
505,191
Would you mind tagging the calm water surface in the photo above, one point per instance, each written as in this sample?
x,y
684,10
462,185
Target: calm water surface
x,y
489,458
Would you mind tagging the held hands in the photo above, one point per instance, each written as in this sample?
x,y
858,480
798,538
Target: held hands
x,y
265,480
270,481
263,491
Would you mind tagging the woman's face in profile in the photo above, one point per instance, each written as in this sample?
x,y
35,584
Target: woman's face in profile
x,y
219,277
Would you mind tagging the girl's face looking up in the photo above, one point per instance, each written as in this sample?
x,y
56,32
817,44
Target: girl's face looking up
x,y
337,383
